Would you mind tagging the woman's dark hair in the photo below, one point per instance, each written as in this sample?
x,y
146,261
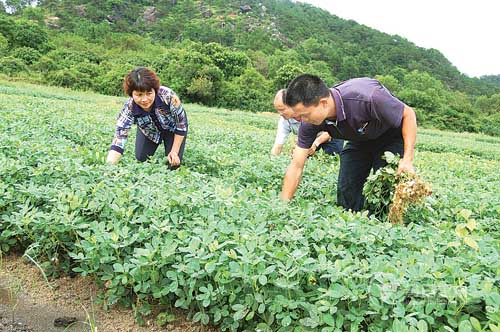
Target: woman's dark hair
x,y
306,89
140,79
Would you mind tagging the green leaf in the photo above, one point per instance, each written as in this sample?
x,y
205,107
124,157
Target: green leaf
x,y
475,323
461,230
286,321
471,242
494,328
465,326
422,326
250,315
262,280
238,307
465,213
389,156
118,268
328,319
238,315
471,224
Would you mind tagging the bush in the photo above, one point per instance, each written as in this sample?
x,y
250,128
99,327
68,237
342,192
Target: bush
x,y
66,58
10,65
27,54
30,34
232,63
45,64
323,70
250,91
285,74
185,66
4,44
201,89
66,78
111,83
390,82
489,125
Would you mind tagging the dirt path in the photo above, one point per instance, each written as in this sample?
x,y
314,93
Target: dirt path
x,y
28,304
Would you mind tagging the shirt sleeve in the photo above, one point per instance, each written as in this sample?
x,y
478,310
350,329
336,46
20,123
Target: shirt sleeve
x,y
176,109
283,131
386,108
307,134
123,125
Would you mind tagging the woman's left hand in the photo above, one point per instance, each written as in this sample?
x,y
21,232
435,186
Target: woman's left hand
x,y
173,159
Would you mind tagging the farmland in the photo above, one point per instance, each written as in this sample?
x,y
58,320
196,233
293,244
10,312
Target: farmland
x,y
214,239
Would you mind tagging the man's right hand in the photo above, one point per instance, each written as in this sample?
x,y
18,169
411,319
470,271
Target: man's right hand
x,y
294,173
276,150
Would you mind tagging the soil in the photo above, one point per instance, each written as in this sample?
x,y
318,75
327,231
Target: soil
x,y
29,304
8,325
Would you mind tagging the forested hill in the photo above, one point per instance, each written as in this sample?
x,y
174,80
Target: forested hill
x,y
216,51
266,25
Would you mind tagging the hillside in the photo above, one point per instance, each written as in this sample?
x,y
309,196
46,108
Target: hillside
x,y
214,52
266,25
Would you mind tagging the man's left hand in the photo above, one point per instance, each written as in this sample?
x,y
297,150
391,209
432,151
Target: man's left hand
x,y
312,149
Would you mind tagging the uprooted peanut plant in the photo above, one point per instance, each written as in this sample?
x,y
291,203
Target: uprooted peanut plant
x,y
388,195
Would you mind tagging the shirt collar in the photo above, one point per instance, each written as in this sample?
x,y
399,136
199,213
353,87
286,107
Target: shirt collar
x,y
339,104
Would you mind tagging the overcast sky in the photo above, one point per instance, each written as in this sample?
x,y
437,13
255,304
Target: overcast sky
x,y
466,32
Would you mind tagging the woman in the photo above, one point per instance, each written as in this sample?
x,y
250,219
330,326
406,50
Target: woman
x,y
159,115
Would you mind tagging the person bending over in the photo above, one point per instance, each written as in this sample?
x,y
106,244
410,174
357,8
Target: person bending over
x,y
159,116
360,110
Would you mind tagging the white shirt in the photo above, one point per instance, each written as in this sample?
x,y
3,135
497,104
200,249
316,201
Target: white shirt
x,y
285,127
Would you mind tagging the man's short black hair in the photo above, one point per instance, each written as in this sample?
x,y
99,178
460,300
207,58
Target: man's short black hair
x,y
306,89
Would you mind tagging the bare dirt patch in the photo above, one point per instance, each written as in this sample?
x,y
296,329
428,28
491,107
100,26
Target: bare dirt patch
x,y
29,304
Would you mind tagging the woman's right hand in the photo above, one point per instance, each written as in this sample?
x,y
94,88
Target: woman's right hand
x,y
113,157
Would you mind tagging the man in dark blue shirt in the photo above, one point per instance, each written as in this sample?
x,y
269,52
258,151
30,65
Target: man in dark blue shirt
x,y
360,110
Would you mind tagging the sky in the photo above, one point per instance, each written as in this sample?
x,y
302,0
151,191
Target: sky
x,y
466,32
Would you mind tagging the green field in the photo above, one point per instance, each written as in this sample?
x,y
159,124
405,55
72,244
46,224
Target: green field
x,y
213,237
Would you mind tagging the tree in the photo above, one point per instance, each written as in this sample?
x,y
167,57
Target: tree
x,y
323,70
232,63
17,5
488,105
250,91
390,82
285,74
27,54
29,34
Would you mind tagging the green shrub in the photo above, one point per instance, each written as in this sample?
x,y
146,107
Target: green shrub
x,y
10,65
111,82
45,64
285,74
201,90
250,91
66,58
27,54
30,34
4,44
65,77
